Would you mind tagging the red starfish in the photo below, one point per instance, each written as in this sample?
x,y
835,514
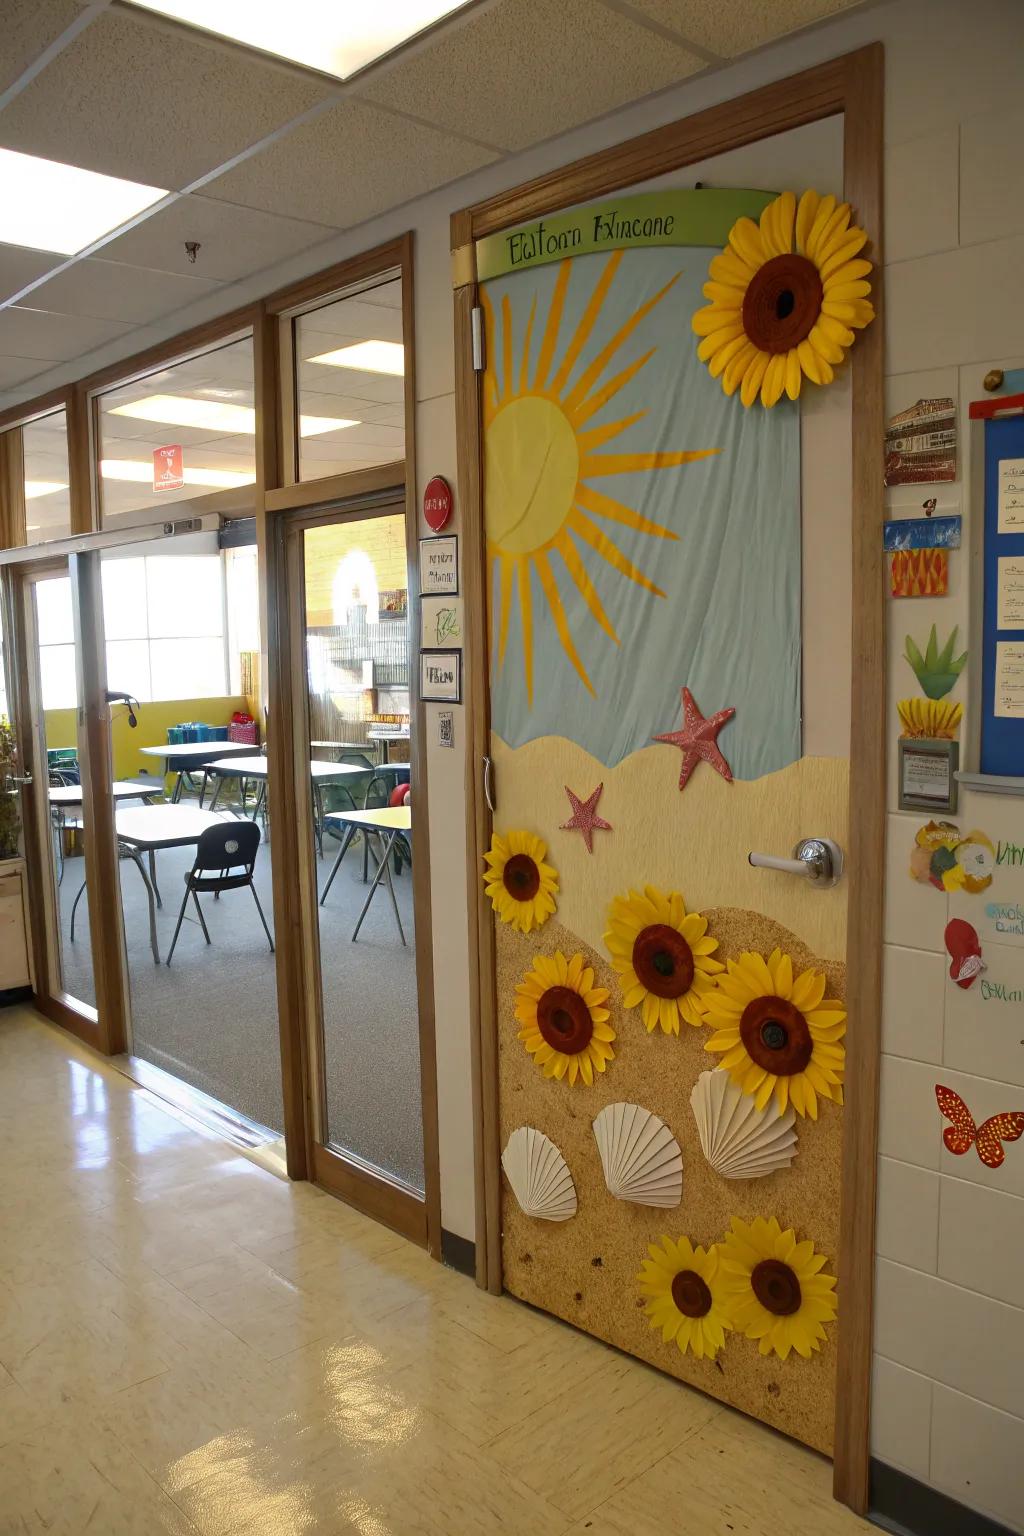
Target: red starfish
x,y
698,739
584,816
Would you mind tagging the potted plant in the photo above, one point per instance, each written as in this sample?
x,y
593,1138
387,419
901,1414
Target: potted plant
x,y
10,818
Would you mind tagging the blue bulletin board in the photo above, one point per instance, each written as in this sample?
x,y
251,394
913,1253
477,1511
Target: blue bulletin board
x,y
1002,734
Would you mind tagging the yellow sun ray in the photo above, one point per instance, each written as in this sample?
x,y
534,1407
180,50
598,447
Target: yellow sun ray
x,y
597,464
506,346
526,606
607,352
578,571
609,391
598,436
605,506
608,551
586,325
524,365
508,576
548,583
550,339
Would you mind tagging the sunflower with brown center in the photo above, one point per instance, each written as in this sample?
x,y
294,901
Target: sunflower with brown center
x,y
564,1021
520,885
686,1299
662,955
773,1288
779,314
777,1034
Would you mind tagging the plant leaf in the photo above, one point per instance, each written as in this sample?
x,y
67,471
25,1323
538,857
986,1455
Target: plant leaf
x,y
914,657
931,655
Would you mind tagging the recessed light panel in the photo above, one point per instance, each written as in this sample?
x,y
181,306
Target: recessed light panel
x,y
336,37
47,206
218,416
367,357
140,472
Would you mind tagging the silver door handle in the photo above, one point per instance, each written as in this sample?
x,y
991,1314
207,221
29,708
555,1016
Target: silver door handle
x,y
817,859
489,784
22,778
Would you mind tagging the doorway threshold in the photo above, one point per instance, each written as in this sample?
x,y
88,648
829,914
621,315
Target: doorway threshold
x,y
258,1142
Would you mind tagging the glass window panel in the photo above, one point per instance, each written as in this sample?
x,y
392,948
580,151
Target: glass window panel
x,y
57,672
202,410
124,598
186,595
243,607
54,614
47,479
187,669
128,666
350,369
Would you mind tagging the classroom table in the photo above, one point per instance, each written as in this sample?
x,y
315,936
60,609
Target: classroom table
x,y
320,772
68,797
368,748
193,754
387,823
147,828
383,737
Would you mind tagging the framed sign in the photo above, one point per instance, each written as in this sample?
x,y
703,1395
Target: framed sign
x,y
439,565
441,676
928,775
440,622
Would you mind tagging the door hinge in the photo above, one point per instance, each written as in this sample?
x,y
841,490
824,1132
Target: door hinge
x,y
479,361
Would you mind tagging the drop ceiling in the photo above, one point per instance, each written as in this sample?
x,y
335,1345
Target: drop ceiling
x,y
264,159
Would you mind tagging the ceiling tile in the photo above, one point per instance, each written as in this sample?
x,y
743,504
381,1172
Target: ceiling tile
x,y
233,242
128,99
53,338
347,165
18,370
30,26
729,29
19,267
108,290
527,69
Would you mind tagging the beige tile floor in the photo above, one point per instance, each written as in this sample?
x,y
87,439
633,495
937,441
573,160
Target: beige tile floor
x,y
189,1344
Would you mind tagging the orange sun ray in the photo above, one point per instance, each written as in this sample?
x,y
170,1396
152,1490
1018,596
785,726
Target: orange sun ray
x,y
526,605
578,571
608,551
590,376
605,506
554,321
609,390
586,324
524,382
597,436
508,576
547,581
506,347
597,464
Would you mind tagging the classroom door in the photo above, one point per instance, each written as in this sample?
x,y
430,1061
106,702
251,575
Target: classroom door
x,y
357,787
669,583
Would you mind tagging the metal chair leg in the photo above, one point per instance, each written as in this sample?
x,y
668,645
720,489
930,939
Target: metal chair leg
x,y
202,919
259,909
350,833
177,928
74,908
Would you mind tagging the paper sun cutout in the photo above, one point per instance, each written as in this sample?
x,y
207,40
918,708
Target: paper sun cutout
x,y
584,816
988,1137
964,947
698,739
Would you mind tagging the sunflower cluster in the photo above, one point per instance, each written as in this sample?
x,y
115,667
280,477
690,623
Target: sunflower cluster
x,y
759,1282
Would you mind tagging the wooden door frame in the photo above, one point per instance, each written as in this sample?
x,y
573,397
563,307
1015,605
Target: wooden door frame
x,y
852,86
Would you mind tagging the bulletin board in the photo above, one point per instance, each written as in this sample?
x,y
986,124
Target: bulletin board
x,y
1002,573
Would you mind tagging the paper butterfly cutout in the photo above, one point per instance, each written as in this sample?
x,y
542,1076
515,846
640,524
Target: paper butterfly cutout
x,y
964,948
988,1137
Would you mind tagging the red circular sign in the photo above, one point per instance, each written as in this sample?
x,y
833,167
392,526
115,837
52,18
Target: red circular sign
x,y
437,502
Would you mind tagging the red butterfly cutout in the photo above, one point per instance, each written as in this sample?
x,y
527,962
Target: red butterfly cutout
x,y
988,1137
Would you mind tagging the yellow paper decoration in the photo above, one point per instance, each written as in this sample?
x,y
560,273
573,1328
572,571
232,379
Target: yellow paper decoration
x,y
663,957
564,1021
774,1290
686,1296
520,885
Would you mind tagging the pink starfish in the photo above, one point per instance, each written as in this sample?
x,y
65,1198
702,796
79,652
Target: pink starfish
x,y
698,739
584,816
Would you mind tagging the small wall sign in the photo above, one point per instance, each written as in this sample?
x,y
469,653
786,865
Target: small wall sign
x,y
168,468
440,622
441,676
446,728
437,503
928,775
439,565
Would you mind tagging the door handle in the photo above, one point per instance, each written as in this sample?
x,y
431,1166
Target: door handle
x,y
22,778
817,859
489,784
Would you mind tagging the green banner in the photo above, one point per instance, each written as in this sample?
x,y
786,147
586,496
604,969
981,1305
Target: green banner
x,y
678,217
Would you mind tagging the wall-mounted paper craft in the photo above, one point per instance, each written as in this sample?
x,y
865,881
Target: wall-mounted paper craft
x,y
584,818
685,1297
963,1133
1010,592
539,1176
439,565
441,622
929,719
920,443
441,676
1009,683
739,1140
563,1019
697,739
520,885
919,573
952,860
641,1158
921,533
964,947
776,1288
937,670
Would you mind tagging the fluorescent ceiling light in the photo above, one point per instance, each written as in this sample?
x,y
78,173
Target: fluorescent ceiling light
x,y
336,37
367,357
48,206
141,472
34,488
217,415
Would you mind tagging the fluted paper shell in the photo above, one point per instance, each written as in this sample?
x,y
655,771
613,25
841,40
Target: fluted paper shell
x,y
739,1140
539,1175
640,1156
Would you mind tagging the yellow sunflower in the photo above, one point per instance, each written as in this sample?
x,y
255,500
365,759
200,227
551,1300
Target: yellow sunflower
x,y
663,957
777,1034
565,1023
521,886
935,719
773,1288
686,1295
777,314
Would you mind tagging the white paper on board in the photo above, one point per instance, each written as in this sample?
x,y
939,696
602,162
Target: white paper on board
x,y
1010,586
1009,699
1011,496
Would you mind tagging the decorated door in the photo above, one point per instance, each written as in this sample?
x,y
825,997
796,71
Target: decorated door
x,y
667,506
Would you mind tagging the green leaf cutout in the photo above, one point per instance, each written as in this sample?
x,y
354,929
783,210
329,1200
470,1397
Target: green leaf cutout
x,y
936,671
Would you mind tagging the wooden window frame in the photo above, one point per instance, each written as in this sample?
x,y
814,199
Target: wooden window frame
x,y
851,86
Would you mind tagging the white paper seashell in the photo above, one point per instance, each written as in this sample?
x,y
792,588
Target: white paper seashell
x,y
640,1156
539,1175
739,1140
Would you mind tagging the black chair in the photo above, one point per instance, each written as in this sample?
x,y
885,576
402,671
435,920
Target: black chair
x,y
225,860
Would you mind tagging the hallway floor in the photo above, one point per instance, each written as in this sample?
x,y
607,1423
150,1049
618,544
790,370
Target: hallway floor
x,y
189,1344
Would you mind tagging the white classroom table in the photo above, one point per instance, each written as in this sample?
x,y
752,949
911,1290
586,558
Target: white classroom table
x,y
196,754
320,772
387,823
147,828
67,796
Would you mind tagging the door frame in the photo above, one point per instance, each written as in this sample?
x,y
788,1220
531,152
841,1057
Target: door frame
x,y
851,85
